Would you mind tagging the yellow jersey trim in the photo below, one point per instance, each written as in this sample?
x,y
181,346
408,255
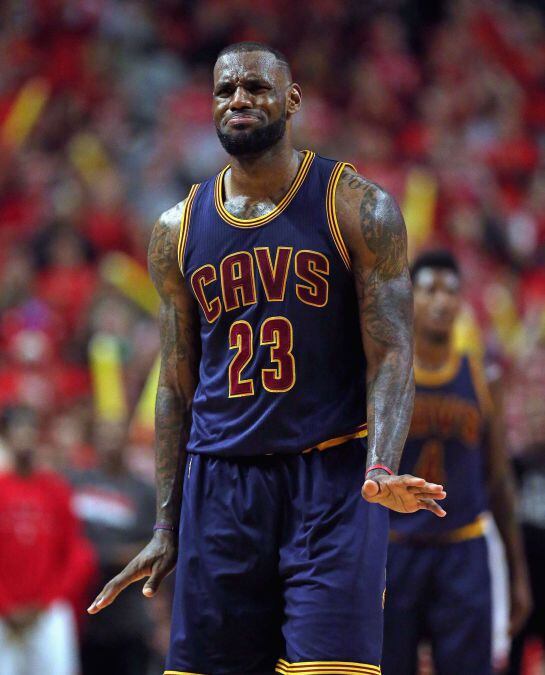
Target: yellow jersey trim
x,y
184,225
361,432
332,213
481,385
474,530
278,209
326,668
439,377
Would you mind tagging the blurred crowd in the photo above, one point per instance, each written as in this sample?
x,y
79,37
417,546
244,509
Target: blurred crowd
x,y
105,122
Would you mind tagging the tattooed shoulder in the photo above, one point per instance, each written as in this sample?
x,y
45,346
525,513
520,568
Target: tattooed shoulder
x,y
163,246
374,219
173,216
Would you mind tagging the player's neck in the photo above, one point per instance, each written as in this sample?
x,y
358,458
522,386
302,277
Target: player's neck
x,y
267,175
431,354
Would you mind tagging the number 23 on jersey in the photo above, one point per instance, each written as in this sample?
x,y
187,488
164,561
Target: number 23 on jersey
x,y
276,333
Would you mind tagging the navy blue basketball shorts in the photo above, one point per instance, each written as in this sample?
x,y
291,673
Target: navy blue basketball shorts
x,y
442,593
281,567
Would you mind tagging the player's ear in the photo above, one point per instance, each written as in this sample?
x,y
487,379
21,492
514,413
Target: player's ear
x,y
293,99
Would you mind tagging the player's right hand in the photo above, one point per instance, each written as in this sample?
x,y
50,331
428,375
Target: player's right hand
x,y
155,561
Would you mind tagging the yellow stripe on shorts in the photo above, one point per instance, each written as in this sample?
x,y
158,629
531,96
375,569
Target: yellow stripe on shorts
x,y
326,668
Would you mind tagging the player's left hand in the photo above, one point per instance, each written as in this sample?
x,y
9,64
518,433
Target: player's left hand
x,y
405,494
521,603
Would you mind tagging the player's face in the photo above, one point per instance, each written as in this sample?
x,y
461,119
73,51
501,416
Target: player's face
x,y
436,302
253,98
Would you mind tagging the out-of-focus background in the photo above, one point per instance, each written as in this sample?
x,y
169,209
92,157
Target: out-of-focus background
x,y
105,122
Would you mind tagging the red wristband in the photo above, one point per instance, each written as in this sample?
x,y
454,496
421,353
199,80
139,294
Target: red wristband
x,y
380,466
163,526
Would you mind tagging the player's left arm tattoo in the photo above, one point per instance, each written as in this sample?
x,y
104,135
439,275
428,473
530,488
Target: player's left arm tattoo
x,y
180,356
374,231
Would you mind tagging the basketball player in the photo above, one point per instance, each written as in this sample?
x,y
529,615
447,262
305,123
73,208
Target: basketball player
x,y
438,575
271,275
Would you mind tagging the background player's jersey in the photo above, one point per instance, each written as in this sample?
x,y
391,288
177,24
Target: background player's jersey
x,y
282,367
445,444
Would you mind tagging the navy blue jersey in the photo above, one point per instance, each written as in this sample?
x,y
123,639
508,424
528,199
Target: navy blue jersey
x,y
282,367
446,444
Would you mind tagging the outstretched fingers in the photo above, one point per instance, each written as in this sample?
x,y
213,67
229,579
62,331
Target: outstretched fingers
x,y
404,494
431,505
432,488
114,587
429,495
409,481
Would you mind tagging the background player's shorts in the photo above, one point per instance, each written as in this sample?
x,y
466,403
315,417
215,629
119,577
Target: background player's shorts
x,y
441,592
281,567
499,579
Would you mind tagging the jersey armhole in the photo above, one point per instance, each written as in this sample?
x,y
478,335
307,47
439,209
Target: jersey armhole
x,y
481,385
184,225
332,220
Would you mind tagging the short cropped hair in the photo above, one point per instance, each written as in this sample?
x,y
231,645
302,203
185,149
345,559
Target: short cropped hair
x,y
438,259
239,47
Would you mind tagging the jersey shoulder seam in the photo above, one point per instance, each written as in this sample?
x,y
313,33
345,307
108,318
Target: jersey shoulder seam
x,y
331,212
184,225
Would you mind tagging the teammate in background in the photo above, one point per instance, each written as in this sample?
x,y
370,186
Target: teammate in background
x,y
438,583
285,264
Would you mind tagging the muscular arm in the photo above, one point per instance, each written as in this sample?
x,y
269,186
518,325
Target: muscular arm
x,y
502,496
178,325
374,232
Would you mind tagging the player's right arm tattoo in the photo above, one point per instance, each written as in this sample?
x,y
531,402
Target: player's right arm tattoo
x,y
375,234
178,325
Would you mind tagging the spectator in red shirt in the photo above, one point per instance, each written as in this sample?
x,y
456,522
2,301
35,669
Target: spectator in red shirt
x,y
44,562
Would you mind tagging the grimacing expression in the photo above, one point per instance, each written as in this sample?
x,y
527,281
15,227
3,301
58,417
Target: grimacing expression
x,y
437,301
253,99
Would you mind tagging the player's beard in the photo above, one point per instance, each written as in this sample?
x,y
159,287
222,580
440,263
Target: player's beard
x,y
253,141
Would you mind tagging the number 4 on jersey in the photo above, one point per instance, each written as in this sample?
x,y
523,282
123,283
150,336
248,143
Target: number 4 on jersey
x,y
276,333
